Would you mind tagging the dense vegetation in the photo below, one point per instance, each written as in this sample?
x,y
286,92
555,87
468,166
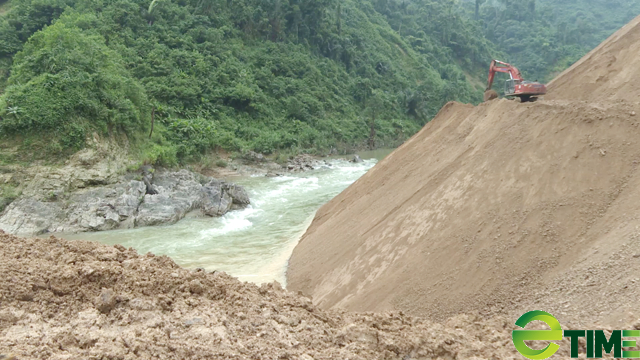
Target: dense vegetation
x,y
544,37
268,75
263,75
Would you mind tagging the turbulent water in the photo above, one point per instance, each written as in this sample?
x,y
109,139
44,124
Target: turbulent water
x,y
253,244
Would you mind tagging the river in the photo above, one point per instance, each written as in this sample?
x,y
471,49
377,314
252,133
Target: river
x,y
253,244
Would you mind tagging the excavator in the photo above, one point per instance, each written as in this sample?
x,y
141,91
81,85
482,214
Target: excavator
x,y
516,86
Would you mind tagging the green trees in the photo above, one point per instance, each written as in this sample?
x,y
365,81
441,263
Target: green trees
x,y
544,37
263,75
65,82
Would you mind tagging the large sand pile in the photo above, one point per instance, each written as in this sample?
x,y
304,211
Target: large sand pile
x,y
81,300
498,207
608,73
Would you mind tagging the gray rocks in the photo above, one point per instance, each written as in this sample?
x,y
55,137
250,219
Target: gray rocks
x,y
216,200
178,193
125,205
103,208
30,216
253,156
304,163
106,301
356,159
237,193
161,209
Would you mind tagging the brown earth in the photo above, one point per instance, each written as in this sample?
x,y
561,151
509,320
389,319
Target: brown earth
x,y
490,95
83,300
500,208
608,73
80,300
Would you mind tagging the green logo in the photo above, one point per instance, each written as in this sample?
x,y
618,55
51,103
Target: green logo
x,y
520,336
597,342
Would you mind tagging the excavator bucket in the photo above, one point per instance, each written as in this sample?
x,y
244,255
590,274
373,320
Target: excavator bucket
x,y
490,95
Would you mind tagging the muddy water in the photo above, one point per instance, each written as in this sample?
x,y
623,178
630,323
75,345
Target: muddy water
x,y
253,244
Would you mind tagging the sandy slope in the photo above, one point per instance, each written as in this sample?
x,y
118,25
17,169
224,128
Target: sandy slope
x,y
608,73
497,208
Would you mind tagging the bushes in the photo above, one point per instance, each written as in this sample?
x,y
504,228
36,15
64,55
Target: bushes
x,y
192,137
65,82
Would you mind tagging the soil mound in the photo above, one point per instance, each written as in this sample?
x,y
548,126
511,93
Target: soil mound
x,y
490,95
82,300
497,207
610,72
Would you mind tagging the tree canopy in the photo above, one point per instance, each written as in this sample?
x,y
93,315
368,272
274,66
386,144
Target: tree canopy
x,y
544,37
269,75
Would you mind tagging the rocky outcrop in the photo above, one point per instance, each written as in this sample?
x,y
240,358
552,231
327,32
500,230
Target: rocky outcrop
x,y
125,205
217,201
30,216
304,163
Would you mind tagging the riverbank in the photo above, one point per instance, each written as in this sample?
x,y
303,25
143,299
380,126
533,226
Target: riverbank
x,y
253,244
101,188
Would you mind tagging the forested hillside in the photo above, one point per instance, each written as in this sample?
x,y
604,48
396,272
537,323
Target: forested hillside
x,y
263,75
544,37
268,75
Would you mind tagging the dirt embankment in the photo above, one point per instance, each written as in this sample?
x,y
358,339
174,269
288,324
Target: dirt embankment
x,y
497,208
82,300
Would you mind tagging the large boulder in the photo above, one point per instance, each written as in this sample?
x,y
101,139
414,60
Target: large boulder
x,y
178,193
89,210
237,193
216,201
161,209
126,205
31,217
103,208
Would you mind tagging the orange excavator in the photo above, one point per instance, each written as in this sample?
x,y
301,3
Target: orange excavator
x,y
516,86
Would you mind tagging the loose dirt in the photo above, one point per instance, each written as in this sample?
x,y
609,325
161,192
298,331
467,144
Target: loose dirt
x,y
500,208
82,300
608,73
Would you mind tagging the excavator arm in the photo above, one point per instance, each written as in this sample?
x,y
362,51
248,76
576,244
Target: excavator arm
x,y
502,67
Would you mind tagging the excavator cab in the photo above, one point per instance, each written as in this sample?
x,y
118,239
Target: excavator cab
x,y
510,87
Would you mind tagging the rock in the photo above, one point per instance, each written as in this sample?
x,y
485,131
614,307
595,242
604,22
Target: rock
x,y
31,217
356,159
104,208
150,189
252,156
106,301
178,194
303,163
125,205
237,193
353,333
216,201
194,321
160,209
196,287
